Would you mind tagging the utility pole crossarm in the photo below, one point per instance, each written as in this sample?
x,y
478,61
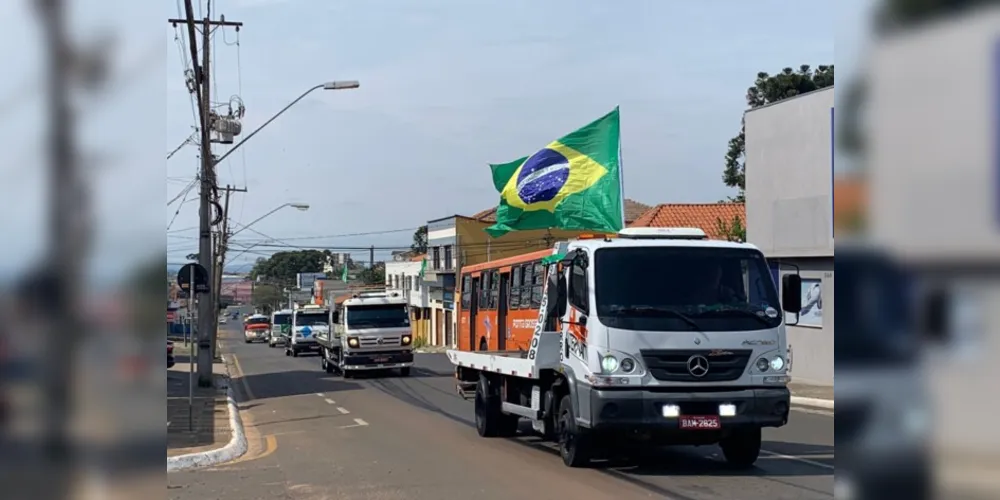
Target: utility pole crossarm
x,y
210,22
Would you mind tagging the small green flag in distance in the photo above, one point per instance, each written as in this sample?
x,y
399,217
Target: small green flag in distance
x,y
573,183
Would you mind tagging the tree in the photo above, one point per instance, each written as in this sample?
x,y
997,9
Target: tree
x,y
419,245
733,230
373,275
265,296
769,89
283,266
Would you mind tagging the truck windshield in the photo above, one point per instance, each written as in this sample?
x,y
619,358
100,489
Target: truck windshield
x,y
684,288
378,316
312,319
282,319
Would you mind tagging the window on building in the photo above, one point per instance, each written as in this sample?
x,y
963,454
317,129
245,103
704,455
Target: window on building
x,y
406,282
447,257
515,287
437,257
527,280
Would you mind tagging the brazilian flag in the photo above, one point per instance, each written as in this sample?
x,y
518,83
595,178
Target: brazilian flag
x,y
573,183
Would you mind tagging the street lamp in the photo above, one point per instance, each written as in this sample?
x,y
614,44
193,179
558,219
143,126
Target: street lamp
x,y
334,85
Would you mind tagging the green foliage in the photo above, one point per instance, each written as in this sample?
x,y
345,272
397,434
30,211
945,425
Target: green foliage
x,y
265,296
282,267
733,230
373,275
419,245
420,341
769,89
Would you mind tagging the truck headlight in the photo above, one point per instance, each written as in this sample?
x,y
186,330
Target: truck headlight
x,y
406,340
763,364
777,363
627,365
609,364
353,342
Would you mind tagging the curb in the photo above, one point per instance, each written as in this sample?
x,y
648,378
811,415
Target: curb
x,y
236,447
813,402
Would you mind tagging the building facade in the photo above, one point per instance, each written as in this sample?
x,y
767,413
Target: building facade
x,y
789,213
403,277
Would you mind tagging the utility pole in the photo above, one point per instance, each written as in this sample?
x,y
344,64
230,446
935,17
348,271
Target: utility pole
x,y
221,247
371,257
206,316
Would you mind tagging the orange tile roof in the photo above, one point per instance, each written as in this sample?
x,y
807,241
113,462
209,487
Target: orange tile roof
x,y
700,215
418,258
633,209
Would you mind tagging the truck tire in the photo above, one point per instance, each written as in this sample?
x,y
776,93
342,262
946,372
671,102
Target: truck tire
x,y
575,447
487,410
295,353
288,352
742,448
404,372
325,360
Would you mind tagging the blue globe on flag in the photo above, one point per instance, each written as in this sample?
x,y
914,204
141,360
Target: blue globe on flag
x,y
542,176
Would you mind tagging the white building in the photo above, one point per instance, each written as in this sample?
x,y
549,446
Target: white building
x,y
404,277
789,210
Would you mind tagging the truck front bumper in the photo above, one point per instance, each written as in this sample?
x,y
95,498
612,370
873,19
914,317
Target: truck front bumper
x,y
642,411
380,360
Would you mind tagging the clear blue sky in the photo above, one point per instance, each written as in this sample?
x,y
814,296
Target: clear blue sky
x,y
448,86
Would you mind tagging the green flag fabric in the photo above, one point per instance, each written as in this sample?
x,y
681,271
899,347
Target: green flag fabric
x,y
423,267
343,275
573,183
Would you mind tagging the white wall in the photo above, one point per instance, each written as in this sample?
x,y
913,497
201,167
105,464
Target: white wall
x,y
399,271
789,176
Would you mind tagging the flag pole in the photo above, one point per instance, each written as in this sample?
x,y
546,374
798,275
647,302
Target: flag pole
x,y
621,169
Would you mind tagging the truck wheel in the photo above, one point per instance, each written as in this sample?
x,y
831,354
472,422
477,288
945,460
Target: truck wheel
x,y
487,411
404,372
574,446
508,425
742,448
288,352
327,365
347,373
295,353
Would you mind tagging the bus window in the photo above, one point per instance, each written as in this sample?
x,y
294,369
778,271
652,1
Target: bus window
x,y
528,280
515,288
538,276
494,289
466,292
484,291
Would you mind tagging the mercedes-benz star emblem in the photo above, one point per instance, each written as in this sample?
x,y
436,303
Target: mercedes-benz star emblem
x,y
379,341
698,366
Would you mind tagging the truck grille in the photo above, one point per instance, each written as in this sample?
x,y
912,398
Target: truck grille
x,y
372,341
672,365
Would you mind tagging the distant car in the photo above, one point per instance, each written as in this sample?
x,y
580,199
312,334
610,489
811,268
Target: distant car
x,y
222,320
170,354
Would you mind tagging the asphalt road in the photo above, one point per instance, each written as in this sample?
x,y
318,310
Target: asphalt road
x,y
318,436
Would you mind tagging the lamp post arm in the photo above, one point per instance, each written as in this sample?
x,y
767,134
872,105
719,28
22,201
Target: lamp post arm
x,y
258,219
258,129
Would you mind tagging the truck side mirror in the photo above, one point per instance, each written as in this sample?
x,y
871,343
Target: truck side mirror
x,y
336,317
791,293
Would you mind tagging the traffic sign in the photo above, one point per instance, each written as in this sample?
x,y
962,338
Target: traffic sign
x,y
200,278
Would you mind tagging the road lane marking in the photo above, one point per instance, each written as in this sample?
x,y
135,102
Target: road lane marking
x,y
343,411
798,459
243,379
320,394
330,401
358,423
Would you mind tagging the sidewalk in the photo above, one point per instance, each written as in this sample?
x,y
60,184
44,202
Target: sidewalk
x,y
820,396
209,426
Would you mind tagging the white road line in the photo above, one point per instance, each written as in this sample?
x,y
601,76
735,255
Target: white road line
x,y
360,422
342,411
320,394
330,401
798,459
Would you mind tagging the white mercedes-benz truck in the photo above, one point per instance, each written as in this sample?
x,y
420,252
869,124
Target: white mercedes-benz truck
x,y
308,322
654,335
371,331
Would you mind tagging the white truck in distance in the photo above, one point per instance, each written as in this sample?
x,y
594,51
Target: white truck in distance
x,y
371,331
281,327
307,322
656,336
